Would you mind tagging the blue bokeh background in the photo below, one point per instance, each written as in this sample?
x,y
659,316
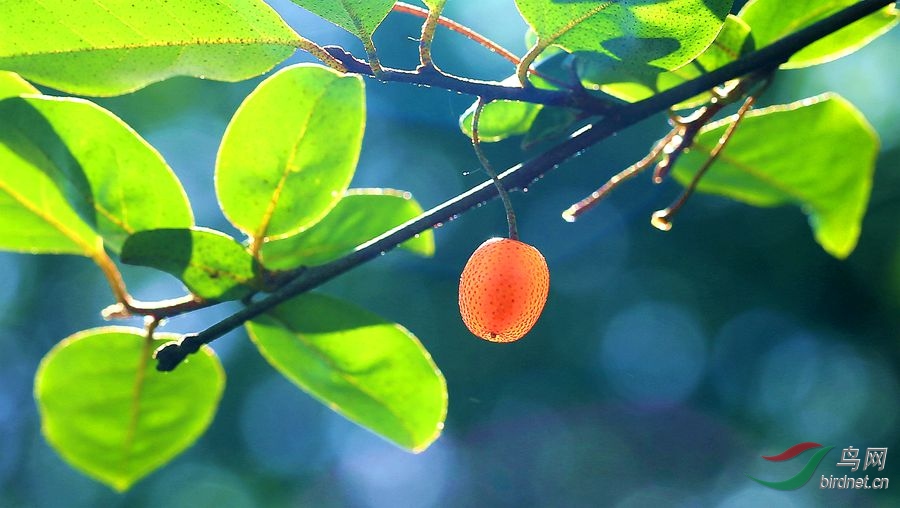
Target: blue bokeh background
x,y
664,366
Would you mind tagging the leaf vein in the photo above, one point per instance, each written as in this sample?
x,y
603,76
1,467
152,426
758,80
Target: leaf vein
x,y
288,168
755,173
348,378
89,250
226,41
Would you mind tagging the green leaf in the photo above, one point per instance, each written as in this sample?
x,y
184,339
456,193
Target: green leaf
x,y
818,153
359,17
211,264
550,123
111,415
434,4
664,34
774,19
634,81
500,119
118,46
12,85
504,119
290,150
362,214
116,182
34,215
372,371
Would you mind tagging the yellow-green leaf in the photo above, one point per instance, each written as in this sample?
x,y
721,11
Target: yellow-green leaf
x,y
633,81
362,214
211,264
291,150
771,20
64,153
818,154
110,414
664,34
117,46
12,85
372,371
359,17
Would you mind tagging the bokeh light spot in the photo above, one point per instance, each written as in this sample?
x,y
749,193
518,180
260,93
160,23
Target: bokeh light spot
x,y
653,354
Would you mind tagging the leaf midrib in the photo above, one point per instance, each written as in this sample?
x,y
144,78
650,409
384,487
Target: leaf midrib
x,y
348,378
89,250
360,30
229,41
266,219
140,377
87,198
811,16
755,173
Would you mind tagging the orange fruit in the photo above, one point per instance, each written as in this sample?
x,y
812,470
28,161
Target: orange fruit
x,y
503,289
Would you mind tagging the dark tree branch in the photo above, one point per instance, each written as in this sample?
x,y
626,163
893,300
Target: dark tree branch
x,y
768,58
490,90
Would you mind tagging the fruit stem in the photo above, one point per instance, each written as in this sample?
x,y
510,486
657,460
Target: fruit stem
x,y
501,190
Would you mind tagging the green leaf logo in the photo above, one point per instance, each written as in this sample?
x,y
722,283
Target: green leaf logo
x,y
799,479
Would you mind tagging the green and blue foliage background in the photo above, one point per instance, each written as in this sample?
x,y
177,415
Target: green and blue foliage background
x,y
665,363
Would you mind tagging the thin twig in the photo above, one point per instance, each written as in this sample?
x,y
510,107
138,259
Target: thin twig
x,y
530,57
686,129
574,211
662,219
520,175
467,33
159,309
151,323
127,306
490,90
672,145
461,29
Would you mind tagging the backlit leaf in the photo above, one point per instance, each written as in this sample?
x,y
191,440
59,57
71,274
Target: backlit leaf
x,y
290,150
116,182
374,372
12,85
110,414
633,81
503,119
774,19
211,264
550,122
664,34
362,214
818,154
500,119
71,172
359,17
117,46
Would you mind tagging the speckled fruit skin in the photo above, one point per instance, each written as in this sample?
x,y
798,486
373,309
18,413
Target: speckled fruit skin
x,y
503,289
